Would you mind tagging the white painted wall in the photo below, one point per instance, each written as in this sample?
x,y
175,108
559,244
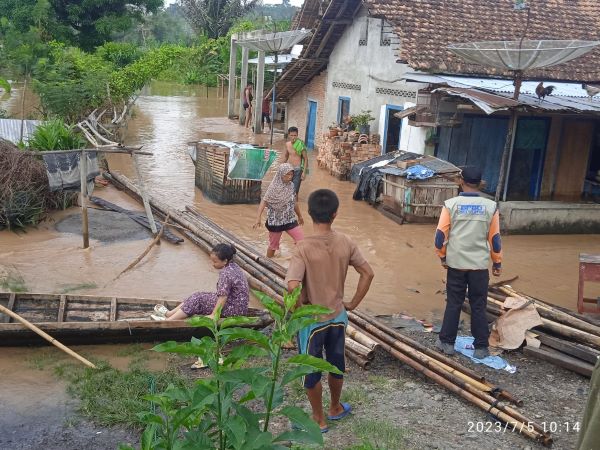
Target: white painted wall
x,y
371,67
412,139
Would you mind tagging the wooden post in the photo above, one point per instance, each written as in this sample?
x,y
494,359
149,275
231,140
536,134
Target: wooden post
x,y
84,214
144,195
46,336
23,108
231,88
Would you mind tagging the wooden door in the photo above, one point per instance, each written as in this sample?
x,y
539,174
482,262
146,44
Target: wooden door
x,y
575,146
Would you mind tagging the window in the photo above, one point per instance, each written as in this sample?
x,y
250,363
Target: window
x,y
364,34
343,108
384,39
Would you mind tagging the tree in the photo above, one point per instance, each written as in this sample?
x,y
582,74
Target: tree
x,y
93,21
215,17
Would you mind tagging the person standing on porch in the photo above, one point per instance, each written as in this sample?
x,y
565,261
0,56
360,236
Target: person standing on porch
x,y
283,213
468,233
295,154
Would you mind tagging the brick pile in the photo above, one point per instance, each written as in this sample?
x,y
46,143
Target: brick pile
x,y
338,154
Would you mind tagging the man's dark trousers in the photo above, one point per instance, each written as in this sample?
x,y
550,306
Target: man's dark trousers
x,y
457,282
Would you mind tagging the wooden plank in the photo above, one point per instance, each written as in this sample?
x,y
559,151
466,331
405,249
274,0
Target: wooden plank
x,y
61,308
11,305
575,350
575,146
113,309
560,359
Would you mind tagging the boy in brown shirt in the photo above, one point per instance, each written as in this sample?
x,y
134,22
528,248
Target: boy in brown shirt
x,y
321,263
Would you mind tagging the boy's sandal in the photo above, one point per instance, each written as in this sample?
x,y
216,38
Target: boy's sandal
x,y
347,410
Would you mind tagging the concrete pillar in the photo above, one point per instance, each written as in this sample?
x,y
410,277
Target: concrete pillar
x,y
244,83
232,84
260,87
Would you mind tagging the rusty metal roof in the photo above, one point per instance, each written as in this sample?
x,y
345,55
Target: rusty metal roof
x,y
10,129
493,94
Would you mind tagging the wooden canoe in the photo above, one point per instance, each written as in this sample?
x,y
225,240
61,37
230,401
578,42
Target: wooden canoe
x,y
87,319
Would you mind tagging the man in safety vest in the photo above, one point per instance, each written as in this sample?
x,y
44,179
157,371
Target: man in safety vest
x,y
468,233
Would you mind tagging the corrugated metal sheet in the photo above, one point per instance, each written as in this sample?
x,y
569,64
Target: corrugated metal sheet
x,y
10,129
493,95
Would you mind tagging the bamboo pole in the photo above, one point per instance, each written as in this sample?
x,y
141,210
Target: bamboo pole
x,y
257,271
145,252
251,252
551,313
418,346
144,195
360,337
84,213
46,336
414,347
262,284
562,329
359,360
481,399
359,348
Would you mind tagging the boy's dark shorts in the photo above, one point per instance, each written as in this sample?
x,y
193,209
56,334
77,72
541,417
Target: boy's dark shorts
x,y
331,336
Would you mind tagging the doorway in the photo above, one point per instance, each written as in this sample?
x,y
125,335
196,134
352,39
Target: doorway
x,y
311,123
527,162
391,129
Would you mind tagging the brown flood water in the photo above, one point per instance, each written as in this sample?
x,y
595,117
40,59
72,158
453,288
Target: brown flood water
x,y
408,275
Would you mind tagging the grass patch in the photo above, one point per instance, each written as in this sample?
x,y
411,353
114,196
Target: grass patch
x,y
13,282
380,381
109,396
66,288
378,434
355,395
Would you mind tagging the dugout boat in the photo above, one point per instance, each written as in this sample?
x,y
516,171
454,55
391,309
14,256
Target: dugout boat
x,y
90,319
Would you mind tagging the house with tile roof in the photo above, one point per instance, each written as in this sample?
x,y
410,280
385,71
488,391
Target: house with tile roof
x,y
391,57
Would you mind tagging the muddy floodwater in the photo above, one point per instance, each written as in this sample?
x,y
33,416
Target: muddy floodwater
x,y
408,275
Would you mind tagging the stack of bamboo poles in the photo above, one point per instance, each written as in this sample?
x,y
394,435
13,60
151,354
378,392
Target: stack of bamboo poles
x,y
263,273
450,374
566,339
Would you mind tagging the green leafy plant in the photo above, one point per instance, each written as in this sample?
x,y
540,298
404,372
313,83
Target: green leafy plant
x,y
234,407
55,135
5,85
363,118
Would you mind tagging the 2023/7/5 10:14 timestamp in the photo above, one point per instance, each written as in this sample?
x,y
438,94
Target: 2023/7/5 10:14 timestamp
x,y
561,427
517,427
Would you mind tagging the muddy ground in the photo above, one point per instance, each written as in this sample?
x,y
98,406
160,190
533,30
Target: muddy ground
x,y
394,406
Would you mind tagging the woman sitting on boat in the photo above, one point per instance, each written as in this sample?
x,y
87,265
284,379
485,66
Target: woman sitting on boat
x,y
283,213
233,293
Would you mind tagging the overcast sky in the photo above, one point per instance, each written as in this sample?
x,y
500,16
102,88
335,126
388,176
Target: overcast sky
x,y
271,2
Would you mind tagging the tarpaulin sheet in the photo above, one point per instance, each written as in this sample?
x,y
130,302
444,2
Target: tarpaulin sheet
x,y
246,162
63,170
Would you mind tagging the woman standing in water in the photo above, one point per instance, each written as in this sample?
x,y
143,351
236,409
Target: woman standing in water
x,y
233,293
283,213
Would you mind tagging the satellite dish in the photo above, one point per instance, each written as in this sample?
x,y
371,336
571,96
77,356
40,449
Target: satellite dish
x,y
522,55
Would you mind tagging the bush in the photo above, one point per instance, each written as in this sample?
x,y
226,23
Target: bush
x,y
55,135
25,197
